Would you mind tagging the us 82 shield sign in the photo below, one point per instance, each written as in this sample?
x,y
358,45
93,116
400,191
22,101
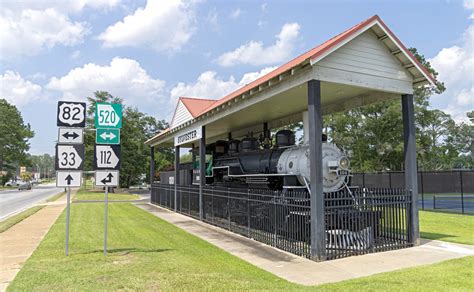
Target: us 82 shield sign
x,y
71,114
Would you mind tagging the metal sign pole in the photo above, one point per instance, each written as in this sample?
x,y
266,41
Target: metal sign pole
x,y
68,197
105,218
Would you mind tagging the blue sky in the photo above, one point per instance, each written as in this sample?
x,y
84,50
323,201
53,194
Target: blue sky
x,y
151,52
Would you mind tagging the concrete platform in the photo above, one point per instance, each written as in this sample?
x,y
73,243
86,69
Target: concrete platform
x,y
306,272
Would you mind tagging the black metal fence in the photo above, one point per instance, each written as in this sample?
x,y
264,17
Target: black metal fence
x,y
451,190
357,222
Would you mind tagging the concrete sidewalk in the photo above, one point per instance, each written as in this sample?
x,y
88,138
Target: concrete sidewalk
x,y
306,272
19,242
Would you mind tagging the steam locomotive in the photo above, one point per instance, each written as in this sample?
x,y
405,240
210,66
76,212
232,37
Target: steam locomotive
x,y
254,163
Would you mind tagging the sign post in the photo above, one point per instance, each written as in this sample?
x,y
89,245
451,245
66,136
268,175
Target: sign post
x,y
71,120
106,216
68,208
108,122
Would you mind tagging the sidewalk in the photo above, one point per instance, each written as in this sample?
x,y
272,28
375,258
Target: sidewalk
x,y
20,241
306,272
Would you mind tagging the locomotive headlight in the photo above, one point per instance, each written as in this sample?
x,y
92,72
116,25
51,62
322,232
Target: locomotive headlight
x,y
344,163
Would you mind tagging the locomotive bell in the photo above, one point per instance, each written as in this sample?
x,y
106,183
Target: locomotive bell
x,y
295,161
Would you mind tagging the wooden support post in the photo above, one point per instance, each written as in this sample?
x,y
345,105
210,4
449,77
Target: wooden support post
x,y
202,169
411,177
152,164
176,175
315,119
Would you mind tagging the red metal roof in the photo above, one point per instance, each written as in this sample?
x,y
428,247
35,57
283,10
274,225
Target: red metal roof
x,y
196,105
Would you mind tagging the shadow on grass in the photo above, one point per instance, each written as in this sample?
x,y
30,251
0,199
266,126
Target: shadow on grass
x,y
435,236
125,251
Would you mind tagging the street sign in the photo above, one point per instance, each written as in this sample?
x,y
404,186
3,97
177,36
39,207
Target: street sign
x,y
71,135
69,156
71,114
68,178
107,136
107,178
108,115
22,169
107,157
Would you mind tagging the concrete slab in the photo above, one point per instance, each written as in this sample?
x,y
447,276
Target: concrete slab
x,y
306,272
21,240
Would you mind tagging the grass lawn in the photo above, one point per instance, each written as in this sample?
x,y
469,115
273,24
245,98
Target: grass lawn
x,y
147,253
447,227
6,224
55,197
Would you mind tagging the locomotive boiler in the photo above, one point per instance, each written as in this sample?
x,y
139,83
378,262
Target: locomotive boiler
x,y
253,163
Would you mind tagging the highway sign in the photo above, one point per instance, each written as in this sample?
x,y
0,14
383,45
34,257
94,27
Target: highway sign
x,y
107,157
68,178
108,115
71,135
69,156
71,114
107,178
107,136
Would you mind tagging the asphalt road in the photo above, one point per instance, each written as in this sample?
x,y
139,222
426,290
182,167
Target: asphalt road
x,y
13,201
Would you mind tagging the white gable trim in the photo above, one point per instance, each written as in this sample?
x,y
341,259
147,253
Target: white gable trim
x,y
390,36
181,115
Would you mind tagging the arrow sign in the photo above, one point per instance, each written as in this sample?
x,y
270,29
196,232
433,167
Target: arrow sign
x,y
69,156
71,114
107,136
108,115
107,178
71,135
107,157
68,178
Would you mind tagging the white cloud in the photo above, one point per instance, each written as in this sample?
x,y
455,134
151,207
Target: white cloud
x,y
236,13
17,90
469,4
122,78
61,6
29,31
76,54
161,25
456,69
254,53
30,26
208,85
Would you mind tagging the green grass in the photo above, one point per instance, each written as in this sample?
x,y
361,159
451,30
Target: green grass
x,y
99,195
3,188
6,224
55,197
147,253
447,227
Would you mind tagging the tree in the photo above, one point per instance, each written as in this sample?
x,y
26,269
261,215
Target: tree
x,y
44,164
137,127
14,136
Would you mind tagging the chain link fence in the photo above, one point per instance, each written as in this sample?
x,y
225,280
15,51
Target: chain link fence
x,y
451,190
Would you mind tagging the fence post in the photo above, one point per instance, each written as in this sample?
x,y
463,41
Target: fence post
x,y
248,213
363,179
462,191
228,205
422,191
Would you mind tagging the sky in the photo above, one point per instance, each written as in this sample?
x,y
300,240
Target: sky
x,y
151,52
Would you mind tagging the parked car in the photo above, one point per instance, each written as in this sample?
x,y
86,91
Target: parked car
x,y
12,183
25,185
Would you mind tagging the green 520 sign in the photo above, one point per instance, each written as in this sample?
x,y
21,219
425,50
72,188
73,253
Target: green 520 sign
x,y
108,115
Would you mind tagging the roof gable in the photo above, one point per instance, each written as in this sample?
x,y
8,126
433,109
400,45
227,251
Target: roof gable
x,y
188,108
